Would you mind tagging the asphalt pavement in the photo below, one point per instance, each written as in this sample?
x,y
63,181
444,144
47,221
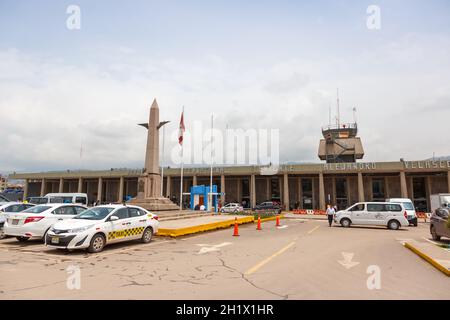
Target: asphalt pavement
x,y
300,260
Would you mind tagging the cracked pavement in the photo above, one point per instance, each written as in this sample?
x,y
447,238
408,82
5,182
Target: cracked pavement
x,y
173,269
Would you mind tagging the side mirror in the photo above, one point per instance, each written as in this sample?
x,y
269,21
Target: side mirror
x,y
113,218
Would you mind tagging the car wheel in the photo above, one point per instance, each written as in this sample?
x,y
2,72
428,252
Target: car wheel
x,y
415,224
434,235
346,223
97,243
22,239
147,235
393,225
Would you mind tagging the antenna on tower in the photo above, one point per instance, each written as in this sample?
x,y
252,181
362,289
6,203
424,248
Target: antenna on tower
x,y
338,115
354,114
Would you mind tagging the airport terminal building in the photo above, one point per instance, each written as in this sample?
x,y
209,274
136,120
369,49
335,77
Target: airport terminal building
x,y
339,180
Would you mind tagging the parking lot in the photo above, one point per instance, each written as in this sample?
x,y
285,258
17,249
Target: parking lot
x,y
303,259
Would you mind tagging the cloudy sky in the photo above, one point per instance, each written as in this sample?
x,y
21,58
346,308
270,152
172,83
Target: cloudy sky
x,y
254,64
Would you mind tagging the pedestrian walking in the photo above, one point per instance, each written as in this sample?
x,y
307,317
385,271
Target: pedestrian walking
x,y
330,214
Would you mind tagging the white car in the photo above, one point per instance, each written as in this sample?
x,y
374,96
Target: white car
x,y
391,215
34,222
409,206
102,225
232,208
6,208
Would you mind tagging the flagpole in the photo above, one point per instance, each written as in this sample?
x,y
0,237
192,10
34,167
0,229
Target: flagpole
x,y
212,161
182,168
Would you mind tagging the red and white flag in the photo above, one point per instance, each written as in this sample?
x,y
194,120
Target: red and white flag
x,y
181,129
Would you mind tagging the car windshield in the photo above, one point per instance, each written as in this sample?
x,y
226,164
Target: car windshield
x,y
96,213
36,209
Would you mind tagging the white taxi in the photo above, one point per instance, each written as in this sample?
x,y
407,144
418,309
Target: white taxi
x,y
102,225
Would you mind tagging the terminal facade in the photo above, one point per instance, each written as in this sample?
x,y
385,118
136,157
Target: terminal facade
x,y
304,186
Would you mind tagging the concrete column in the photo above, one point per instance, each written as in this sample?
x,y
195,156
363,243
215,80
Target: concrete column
x,y
300,192
313,186
321,192
286,191
387,192
25,189
194,180
42,187
428,192
222,188
80,185
280,184
403,187
121,189
333,191
448,181
253,191
410,188
100,189
168,186
61,185
238,190
349,191
370,188
360,188
268,187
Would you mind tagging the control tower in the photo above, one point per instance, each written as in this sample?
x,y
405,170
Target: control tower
x,y
340,143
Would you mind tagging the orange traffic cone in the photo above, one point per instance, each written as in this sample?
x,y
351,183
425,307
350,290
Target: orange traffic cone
x,y
258,227
236,228
278,221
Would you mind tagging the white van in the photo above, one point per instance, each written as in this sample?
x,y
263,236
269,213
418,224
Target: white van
x,y
79,198
409,206
391,215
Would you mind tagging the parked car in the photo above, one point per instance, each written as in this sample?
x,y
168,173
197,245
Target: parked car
x,y
34,222
232,208
37,200
268,206
438,223
80,198
409,206
9,207
391,215
102,225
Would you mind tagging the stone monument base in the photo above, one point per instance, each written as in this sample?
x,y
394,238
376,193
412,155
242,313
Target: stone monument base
x,y
155,204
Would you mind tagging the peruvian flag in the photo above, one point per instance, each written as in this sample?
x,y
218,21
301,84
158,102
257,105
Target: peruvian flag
x,y
181,129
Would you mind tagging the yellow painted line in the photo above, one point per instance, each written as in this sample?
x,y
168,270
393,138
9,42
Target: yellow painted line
x,y
427,258
313,229
202,228
267,260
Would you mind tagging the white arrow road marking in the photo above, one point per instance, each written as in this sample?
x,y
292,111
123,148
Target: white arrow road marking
x,y
211,247
347,262
282,227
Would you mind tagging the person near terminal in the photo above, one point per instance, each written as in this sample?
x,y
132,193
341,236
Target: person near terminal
x,y
330,214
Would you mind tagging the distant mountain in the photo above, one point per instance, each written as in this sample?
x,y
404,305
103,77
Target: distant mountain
x,y
443,158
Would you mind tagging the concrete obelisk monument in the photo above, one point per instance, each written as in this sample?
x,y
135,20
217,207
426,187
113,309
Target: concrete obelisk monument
x,y
149,184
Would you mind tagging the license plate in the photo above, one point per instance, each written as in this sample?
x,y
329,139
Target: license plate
x,y
55,240
15,222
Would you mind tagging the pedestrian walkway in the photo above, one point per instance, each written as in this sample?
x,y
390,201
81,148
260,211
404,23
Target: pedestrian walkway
x,y
432,253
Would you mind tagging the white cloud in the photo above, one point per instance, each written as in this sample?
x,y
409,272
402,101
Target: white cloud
x,y
50,107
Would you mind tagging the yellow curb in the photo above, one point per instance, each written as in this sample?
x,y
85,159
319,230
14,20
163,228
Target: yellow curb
x,y
427,258
270,218
202,228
